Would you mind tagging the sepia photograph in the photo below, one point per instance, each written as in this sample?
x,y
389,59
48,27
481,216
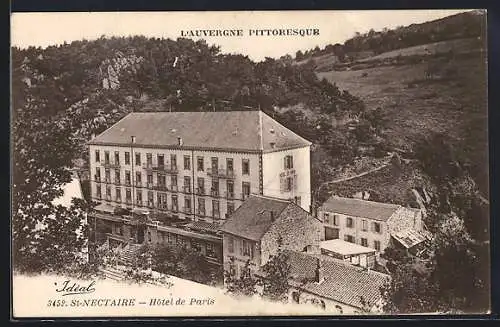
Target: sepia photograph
x,y
249,163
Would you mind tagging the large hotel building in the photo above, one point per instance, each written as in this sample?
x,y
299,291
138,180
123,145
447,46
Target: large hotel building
x,y
197,166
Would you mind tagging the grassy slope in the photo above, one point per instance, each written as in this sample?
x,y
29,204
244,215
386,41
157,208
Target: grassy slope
x,y
416,106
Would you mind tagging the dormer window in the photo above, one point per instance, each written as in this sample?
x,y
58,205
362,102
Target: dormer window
x,y
288,162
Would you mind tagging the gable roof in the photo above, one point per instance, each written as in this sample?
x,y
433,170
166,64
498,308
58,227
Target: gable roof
x,y
360,208
252,219
250,131
342,282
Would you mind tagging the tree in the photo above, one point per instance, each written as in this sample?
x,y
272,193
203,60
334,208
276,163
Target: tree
x,y
277,273
244,285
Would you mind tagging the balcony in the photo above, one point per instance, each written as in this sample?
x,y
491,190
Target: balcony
x,y
107,180
187,210
115,165
200,191
186,189
244,196
160,187
128,201
214,192
97,178
151,204
150,185
173,188
169,169
229,195
220,172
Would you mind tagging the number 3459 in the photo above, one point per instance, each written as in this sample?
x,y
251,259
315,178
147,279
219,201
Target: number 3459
x,y
56,303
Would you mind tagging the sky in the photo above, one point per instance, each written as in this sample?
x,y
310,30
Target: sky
x,y
44,29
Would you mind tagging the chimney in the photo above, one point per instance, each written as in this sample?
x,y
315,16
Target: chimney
x,y
319,276
133,139
179,140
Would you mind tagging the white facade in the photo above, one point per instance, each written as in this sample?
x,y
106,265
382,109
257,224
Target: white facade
x,y
251,173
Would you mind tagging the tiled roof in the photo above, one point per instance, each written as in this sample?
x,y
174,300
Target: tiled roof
x,y
342,282
360,208
253,219
252,131
203,226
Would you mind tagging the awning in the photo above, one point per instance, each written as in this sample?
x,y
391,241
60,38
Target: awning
x,y
409,238
104,207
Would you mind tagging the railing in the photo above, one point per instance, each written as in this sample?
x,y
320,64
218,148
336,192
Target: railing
x,y
187,210
214,192
200,191
161,168
150,185
173,188
107,180
128,201
97,178
138,184
229,195
220,172
244,196
186,189
160,187
112,165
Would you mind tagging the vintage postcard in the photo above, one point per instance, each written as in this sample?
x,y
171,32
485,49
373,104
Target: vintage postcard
x,y
271,163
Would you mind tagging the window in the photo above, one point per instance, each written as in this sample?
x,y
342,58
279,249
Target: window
x,y
210,250
106,157
215,187
230,189
108,191
200,163
118,193
289,184
187,184
138,178
377,228
117,157
97,156
162,200
349,238
97,176
376,244
150,199
139,197
245,186
288,162
230,208
187,205
127,177
297,200
246,248
215,164
349,222
173,181
117,177
107,175
162,180
335,220
175,205
201,185
187,163
201,206
245,167
149,159
149,236
127,158
229,164
326,218
364,242
150,180
98,191
161,160
173,162
230,244
215,209
137,159
128,194
364,225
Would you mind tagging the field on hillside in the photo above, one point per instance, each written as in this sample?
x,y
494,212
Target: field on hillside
x,y
456,46
415,105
